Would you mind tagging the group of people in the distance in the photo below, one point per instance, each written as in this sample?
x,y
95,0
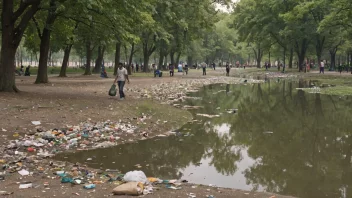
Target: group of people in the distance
x,y
25,73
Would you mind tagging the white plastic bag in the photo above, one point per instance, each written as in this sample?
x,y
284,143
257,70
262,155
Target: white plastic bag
x,y
135,176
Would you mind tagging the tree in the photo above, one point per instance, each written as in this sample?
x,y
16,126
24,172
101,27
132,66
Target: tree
x,y
13,25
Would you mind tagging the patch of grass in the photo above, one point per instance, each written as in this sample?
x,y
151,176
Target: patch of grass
x,y
338,91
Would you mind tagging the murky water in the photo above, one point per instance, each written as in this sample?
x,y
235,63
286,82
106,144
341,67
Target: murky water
x,y
280,140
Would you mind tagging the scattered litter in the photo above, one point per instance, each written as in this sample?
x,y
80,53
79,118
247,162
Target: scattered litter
x,y
36,123
23,172
192,195
208,116
89,186
135,176
3,130
6,193
25,186
130,188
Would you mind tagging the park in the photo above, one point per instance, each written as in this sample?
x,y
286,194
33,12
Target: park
x,y
176,98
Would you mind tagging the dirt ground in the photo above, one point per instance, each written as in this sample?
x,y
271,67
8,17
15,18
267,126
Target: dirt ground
x,y
69,101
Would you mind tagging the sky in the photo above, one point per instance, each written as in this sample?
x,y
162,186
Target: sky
x,y
224,8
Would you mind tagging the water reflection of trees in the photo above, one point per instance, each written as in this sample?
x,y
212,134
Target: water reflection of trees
x,y
304,156
308,154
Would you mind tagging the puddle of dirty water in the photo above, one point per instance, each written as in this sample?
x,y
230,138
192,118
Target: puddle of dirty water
x,y
268,137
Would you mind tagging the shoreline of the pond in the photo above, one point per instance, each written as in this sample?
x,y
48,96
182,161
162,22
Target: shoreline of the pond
x,y
247,193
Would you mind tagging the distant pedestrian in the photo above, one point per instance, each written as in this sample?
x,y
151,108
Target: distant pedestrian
x,y
322,65
137,67
266,65
214,66
227,69
186,69
204,66
154,70
122,76
172,70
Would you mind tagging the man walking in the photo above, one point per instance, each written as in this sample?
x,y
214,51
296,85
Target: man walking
x,y
322,64
122,76
204,66
227,69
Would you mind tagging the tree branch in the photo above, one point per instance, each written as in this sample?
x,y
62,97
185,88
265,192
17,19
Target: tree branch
x,y
23,6
21,27
37,26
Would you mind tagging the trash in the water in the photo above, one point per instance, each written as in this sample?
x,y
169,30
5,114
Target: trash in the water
x,y
3,130
36,123
208,116
268,132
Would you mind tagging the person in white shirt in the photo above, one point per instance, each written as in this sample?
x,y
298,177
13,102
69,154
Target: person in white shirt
x,y
322,64
121,77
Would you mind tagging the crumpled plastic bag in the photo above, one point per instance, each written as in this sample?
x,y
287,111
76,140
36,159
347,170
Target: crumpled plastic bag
x,y
130,188
136,176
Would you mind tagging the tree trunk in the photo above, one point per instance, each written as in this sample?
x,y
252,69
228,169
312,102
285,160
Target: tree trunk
x,y
166,63
64,66
190,61
178,59
42,76
129,69
146,63
290,64
161,59
99,60
117,57
301,52
172,58
319,48
332,59
89,58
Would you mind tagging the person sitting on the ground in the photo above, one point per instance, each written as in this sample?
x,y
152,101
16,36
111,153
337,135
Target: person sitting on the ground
x,y
103,72
27,72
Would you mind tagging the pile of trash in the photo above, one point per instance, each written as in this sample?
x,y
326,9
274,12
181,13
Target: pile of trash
x,y
86,135
177,91
25,152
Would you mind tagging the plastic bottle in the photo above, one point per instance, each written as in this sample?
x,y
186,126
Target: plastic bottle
x,y
89,186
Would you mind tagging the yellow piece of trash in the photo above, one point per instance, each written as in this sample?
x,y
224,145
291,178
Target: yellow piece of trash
x,y
153,179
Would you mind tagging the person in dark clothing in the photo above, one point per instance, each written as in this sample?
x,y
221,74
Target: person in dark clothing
x,y
137,68
27,72
186,69
227,69
214,66
266,66
172,70
204,66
